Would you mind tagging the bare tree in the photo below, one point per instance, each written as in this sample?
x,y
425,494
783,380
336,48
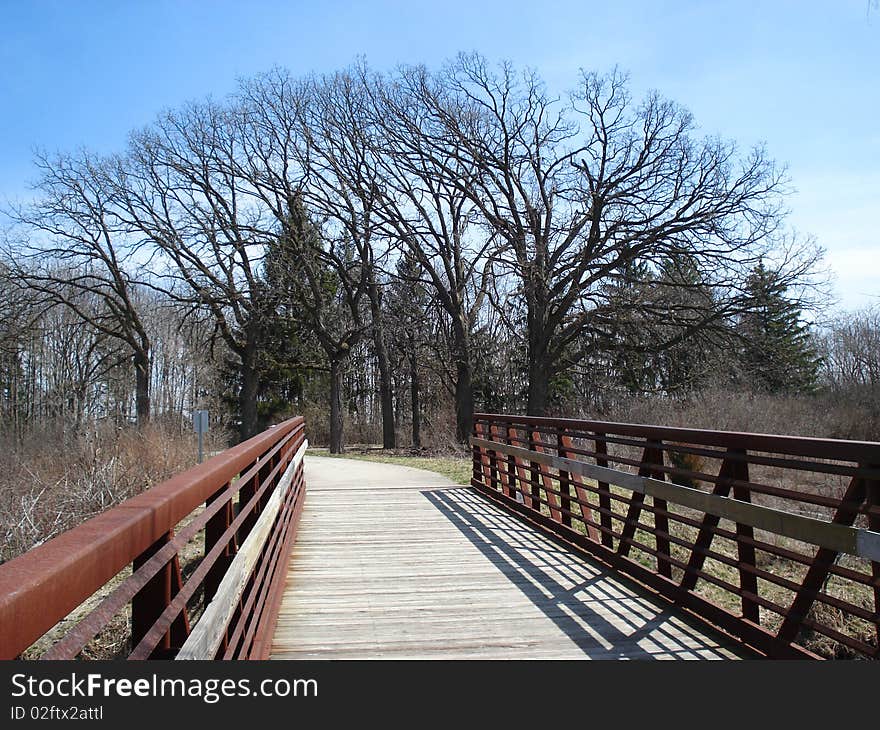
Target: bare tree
x,y
324,162
425,210
179,188
580,192
850,349
76,253
416,231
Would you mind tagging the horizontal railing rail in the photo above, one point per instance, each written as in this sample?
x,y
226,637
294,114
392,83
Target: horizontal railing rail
x,y
198,561
775,539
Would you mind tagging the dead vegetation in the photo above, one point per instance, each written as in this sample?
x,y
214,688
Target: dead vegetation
x,y
55,483
830,415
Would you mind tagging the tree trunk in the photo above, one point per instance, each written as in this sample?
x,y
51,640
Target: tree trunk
x,y
389,436
464,403
539,341
247,397
386,384
399,390
386,392
336,432
414,387
539,389
142,388
464,389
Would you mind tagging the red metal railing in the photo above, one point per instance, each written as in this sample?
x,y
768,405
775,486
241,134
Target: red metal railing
x,y
229,523
774,539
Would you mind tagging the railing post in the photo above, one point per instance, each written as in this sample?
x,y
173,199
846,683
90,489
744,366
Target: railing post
x,y
493,462
661,521
564,483
578,482
604,492
476,462
214,529
534,473
872,501
245,495
499,462
552,501
247,492
482,453
516,469
149,603
745,551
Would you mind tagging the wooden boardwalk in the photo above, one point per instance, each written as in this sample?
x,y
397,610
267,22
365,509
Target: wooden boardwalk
x,y
396,563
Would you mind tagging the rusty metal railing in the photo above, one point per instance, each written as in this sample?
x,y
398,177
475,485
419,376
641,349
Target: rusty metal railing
x,y
239,509
774,539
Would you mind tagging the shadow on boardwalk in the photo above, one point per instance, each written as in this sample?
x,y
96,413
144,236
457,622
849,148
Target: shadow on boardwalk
x,y
605,615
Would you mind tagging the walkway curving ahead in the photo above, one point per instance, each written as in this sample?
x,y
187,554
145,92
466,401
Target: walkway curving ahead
x,y
393,562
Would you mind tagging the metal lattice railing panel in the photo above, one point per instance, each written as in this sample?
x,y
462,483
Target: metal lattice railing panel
x,y
775,539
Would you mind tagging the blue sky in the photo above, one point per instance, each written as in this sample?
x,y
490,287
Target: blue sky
x,y
802,77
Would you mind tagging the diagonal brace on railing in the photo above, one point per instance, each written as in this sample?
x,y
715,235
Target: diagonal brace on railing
x,y
845,515
734,468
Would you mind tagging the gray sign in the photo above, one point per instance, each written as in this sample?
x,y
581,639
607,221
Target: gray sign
x,y
200,426
200,421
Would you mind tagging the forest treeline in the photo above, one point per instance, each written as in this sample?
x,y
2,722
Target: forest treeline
x,y
387,252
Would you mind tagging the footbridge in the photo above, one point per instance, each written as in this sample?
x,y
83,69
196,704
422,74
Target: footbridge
x,y
573,539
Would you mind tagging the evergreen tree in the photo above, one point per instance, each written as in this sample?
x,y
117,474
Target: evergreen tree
x,y
666,327
321,283
690,338
287,360
777,352
629,329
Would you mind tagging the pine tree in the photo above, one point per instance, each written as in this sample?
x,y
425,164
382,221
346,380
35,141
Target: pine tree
x,y
777,352
693,335
321,284
407,319
629,342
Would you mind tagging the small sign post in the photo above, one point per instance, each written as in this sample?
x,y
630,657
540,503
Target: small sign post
x,y
200,426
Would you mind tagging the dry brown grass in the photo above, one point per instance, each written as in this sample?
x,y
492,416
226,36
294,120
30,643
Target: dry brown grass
x,y
726,410
437,431
55,483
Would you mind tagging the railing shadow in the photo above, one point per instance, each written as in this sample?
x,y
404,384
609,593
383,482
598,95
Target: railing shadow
x,y
604,614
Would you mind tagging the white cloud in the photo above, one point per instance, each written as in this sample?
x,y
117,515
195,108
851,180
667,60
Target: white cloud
x,y
841,210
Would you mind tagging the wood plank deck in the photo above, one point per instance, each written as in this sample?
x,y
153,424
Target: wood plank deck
x,y
399,563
